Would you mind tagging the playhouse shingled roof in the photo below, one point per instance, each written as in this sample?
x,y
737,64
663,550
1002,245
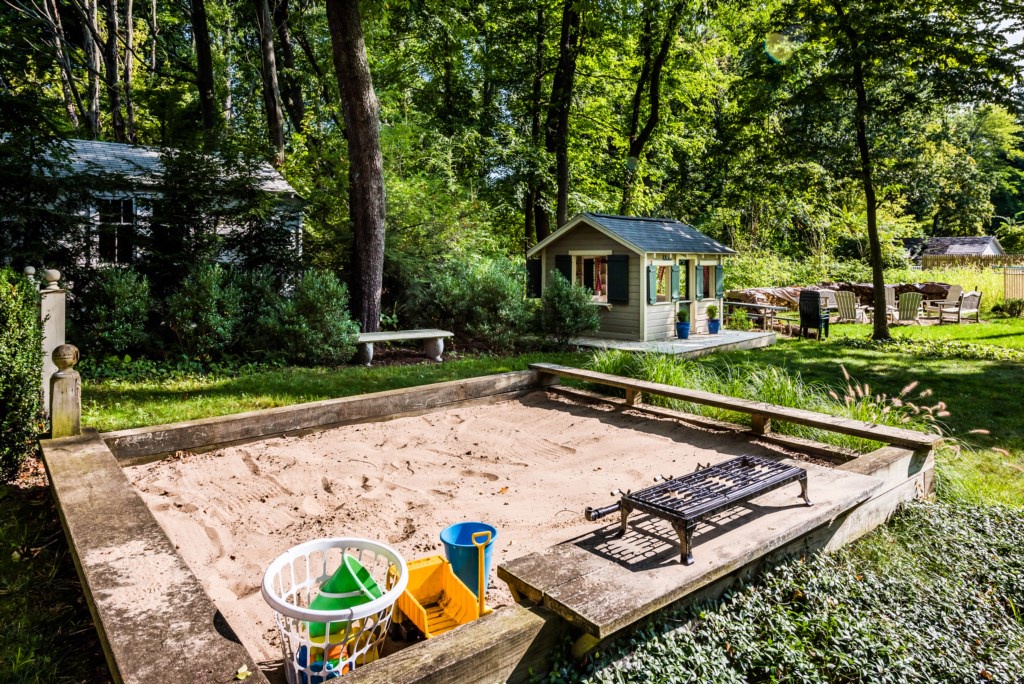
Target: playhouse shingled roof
x,y
645,235
139,161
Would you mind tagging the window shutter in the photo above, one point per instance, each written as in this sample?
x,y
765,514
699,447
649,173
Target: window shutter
x,y
563,264
618,279
719,281
652,284
533,271
675,283
699,272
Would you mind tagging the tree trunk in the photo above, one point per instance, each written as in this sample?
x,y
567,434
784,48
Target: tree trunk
x,y
291,88
154,30
72,100
535,231
92,49
366,166
557,125
271,90
113,73
204,66
881,318
650,80
129,57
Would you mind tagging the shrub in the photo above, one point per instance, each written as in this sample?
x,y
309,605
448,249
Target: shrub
x,y
1013,308
712,312
21,362
683,315
113,311
261,306
316,327
203,313
566,309
482,301
740,321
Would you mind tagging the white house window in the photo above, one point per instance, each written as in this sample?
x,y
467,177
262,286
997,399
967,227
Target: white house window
x,y
116,230
592,272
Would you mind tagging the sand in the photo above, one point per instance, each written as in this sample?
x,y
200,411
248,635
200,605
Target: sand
x,y
528,467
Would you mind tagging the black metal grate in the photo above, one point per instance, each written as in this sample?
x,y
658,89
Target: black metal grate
x,y
708,489
685,501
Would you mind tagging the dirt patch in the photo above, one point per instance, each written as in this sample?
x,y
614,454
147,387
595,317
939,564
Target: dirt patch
x,y
528,466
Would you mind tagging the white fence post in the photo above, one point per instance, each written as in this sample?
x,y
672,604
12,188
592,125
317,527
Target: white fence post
x,y
52,302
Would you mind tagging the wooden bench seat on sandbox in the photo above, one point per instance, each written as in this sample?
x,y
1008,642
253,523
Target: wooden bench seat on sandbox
x,y
433,342
602,583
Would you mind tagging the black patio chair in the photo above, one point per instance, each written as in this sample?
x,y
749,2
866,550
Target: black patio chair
x,y
811,315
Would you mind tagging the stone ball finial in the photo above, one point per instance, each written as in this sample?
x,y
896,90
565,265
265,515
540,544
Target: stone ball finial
x,y
51,276
29,271
65,356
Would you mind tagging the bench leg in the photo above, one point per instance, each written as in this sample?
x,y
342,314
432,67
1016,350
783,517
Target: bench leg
x,y
803,491
685,532
433,348
364,353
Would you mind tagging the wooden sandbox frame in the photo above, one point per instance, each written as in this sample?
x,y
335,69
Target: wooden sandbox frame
x,y
169,630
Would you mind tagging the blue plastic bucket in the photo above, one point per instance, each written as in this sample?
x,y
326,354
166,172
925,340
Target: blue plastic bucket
x,y
463,555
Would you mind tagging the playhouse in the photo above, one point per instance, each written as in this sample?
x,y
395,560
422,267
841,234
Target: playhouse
x,y
641,270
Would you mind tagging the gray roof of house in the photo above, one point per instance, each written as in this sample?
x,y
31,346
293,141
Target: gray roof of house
x,y
950,246
659,234
141,162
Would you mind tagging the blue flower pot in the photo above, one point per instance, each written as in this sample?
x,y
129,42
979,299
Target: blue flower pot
x,y
683,330
713,326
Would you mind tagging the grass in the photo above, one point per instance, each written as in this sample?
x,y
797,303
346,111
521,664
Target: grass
x,y
979,395
46,634
997,332
120,404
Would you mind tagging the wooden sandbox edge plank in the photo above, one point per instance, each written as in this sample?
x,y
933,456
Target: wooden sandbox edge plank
x,y
138,445
153,618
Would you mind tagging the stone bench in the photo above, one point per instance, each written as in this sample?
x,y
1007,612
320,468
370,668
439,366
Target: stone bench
x,y
433,342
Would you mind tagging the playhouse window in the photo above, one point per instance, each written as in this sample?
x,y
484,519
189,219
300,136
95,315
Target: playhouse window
x,y
664,283
709,282
592,272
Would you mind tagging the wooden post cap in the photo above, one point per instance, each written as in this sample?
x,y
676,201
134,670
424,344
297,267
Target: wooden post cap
x,y
65,356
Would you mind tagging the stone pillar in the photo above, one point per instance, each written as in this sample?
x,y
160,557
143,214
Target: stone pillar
x,y
52,302
65,394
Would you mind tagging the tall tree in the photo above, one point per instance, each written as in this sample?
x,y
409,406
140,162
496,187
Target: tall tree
x,y
874,62
649,80
291,87
366,164
204,66
129,66
112,72
535,213
556,139
271,89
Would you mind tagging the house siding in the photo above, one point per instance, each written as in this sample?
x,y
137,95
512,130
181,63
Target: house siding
x,y
621,321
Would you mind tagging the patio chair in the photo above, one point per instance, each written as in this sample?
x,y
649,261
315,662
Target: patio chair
x,y
935,306
811,315
849,310
969,305
908,308
890,303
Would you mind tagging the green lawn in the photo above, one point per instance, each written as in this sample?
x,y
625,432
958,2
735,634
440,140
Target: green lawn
x,y
120,404
980,395
997,332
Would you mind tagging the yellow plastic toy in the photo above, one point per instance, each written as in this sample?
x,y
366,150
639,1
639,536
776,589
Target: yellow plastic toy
x,y
436,600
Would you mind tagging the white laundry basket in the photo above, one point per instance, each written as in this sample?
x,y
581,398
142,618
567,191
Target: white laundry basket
x,y
341,639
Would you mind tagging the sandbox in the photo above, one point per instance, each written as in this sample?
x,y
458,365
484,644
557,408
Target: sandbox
x,y
171,526
529,466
